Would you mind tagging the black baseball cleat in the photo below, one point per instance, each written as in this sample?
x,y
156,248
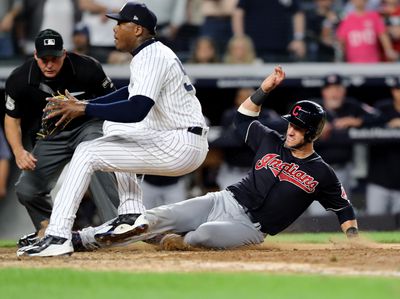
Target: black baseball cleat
x,y
33,238
122,228
48,246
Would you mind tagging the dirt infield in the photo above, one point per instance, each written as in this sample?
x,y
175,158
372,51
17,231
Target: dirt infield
x,y
333,258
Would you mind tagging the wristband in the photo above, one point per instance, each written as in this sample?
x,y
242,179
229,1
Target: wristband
x,y
259,97
298,36
352,232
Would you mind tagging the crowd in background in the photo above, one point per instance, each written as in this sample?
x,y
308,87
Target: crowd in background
x,y
244,32
217,31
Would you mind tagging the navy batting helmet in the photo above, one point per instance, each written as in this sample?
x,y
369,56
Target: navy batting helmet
x,y
307,115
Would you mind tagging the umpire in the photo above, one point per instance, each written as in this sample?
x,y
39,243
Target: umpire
x,y
50,71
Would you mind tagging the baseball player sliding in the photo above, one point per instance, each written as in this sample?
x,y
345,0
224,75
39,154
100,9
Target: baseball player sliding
x,y
153,126
286,177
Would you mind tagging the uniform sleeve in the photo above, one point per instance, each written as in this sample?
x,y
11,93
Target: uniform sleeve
x,y
148,77
332,195
13,98
100,82
258,133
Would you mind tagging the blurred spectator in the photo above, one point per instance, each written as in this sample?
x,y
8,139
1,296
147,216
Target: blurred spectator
x,y
240,49
4,164
383,188
217,21
390,11
37,15
189,31
171,14
361,34
162,190
349,6
276,27
204,51
343,113
321,24
237,156
100,27
9,10
80,40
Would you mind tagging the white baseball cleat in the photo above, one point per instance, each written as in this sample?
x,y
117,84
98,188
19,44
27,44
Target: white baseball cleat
x,y
48,246
123,228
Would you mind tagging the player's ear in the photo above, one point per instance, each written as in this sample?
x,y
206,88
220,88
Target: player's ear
x,y
35,55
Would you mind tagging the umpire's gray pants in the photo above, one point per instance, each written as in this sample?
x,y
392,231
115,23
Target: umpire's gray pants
x,y
33,187
215,220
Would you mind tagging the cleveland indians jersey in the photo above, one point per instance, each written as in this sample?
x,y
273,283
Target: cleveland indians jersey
x,y
280,187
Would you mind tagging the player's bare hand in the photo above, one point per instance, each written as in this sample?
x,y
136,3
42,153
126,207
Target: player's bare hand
x,y
25,160
68,108
273,80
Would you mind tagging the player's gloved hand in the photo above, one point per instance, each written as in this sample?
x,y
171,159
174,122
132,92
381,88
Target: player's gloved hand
x,y
68,107
51,126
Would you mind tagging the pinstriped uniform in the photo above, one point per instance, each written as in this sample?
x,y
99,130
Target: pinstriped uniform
x,y
160,144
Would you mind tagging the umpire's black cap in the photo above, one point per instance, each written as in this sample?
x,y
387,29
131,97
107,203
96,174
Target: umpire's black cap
x,y
137,13
49,43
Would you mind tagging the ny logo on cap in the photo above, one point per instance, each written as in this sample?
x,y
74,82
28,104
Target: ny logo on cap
x,y
49,42
135,18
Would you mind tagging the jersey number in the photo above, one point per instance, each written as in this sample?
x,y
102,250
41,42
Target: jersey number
x,y
187,86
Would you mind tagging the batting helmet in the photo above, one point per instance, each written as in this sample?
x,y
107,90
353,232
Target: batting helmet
x,y
307,115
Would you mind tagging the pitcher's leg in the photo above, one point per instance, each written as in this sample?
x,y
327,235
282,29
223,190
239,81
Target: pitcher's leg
x,y
76,182
130,194
103,186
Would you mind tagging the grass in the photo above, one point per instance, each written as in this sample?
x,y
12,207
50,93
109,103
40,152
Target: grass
x,y
18,283
52,283
380,237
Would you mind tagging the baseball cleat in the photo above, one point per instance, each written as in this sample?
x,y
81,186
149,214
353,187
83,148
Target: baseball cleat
x,y
48,246
122,228
32,238
27,240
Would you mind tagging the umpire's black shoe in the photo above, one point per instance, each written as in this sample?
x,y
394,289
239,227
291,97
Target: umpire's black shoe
x,y
122,228
48,246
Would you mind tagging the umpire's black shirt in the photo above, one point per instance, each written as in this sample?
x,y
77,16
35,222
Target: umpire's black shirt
x,y
280,187
27,88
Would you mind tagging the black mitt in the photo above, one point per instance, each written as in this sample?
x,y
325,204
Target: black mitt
x,y
49,127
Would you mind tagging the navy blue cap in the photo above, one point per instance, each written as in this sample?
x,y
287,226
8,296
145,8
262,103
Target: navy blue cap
x,y
81,28
49,43
137,13
333,79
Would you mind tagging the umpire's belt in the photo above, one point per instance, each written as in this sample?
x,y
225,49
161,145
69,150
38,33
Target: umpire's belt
x,y
197,130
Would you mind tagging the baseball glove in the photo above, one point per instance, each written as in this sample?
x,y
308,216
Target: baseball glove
x,y
49,127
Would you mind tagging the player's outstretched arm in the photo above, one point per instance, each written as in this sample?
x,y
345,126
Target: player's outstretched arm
x,y
254,102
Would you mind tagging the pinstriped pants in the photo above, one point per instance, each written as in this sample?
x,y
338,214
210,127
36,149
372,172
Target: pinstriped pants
x,y
127,151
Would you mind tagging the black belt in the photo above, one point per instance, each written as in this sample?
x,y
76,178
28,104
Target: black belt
x,y
196,130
